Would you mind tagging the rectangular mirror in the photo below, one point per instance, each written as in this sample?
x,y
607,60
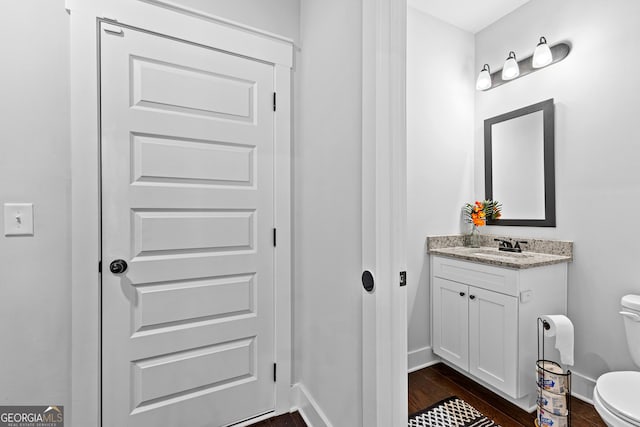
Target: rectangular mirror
x,y
519,165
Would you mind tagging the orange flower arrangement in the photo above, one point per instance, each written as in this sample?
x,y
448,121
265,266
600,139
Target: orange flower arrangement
x,y
478,212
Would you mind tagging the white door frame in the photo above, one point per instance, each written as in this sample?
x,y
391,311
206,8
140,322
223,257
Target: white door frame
x,y
162,17
384,310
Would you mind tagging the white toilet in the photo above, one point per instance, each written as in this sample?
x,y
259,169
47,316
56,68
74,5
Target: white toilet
x,y
617,394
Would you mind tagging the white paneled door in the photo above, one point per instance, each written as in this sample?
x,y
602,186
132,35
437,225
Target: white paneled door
x,y
188,205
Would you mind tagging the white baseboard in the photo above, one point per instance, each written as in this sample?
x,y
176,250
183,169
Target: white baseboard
x,y
582,387
421,358
307,406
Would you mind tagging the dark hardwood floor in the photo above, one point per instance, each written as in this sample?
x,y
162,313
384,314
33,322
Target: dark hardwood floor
x,y
431,385
293,419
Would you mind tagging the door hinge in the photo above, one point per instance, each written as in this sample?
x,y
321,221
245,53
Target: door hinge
x,y
274,237
403,278
274,372
100,266
274,101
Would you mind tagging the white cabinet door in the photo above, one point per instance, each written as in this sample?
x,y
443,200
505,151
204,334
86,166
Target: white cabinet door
x,y
493,338
451,321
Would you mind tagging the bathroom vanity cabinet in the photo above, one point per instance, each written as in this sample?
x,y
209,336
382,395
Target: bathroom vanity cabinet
x,y
484,320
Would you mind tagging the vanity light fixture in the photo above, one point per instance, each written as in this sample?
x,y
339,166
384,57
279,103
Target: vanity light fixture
x,y
510,70
543,56
484,78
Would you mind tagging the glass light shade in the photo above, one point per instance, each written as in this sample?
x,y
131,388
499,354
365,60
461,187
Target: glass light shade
x,y
484,78
510,69
542,55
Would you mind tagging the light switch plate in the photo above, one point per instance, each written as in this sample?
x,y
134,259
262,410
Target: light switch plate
x,y
18,219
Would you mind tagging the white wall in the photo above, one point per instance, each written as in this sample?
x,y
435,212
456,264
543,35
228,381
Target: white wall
x,y
440,95
34,168
327,209
281,17
596,127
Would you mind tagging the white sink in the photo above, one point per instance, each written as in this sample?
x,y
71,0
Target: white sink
x,y
494,253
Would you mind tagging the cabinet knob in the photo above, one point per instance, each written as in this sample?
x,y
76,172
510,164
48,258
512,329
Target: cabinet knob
x,y
462,294
472,296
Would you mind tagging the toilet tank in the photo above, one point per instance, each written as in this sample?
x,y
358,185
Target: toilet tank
x,y
631,314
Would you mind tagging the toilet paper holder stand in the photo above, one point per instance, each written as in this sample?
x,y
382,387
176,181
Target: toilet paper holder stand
x,y
543,326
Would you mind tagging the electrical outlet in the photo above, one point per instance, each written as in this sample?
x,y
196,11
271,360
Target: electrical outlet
x,y
526,296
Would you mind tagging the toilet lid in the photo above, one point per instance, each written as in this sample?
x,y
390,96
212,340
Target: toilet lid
x,y
620,393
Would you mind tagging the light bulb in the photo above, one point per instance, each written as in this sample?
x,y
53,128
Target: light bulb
x,y
484,78
511,69
542,55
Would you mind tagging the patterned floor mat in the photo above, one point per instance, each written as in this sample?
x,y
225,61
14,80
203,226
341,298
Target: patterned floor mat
x,y
450,412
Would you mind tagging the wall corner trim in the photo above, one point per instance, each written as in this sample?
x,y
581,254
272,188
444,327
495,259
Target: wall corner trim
x,y
421,358
309,409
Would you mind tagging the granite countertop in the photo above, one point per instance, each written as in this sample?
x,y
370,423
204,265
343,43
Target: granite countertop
x,y
536,253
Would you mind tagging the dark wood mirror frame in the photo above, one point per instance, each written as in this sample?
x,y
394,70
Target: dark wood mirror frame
x,y
547,107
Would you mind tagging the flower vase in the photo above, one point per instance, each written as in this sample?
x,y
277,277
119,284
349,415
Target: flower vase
x,y
474,237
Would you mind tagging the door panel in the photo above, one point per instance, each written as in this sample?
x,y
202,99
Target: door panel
x,y
182,231
450,321
187,202
159,305
175,161
493,331
174,87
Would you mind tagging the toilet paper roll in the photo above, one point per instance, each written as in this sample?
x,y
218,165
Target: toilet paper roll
x,y
552,402
551,377
561,328
547,419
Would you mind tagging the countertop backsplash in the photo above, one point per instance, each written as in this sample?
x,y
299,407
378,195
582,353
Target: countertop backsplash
x,y
542,246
